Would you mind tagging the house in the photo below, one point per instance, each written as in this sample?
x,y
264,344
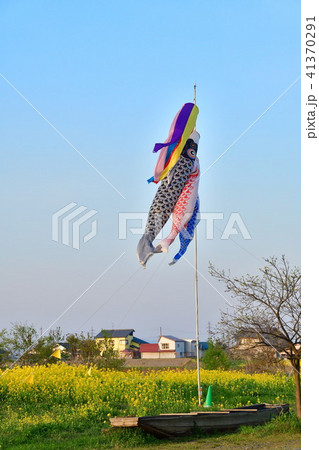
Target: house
x,y
172,347
248,342
190,348
133,351
203,346
150,351
120,339
253,343
154,351
123,341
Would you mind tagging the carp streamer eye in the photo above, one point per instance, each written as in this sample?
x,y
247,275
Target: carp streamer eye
x,y
191,153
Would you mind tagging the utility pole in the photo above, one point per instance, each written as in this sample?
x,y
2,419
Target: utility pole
x,y
196,305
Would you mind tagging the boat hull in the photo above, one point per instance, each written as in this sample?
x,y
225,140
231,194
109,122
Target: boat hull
x,y
180,425
169,425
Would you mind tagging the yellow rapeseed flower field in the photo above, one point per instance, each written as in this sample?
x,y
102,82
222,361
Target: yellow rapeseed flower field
x,y
106,393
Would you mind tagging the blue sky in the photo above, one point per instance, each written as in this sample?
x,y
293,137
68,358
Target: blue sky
x,y
110,76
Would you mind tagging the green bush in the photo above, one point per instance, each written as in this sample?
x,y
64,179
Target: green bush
x,y
215,357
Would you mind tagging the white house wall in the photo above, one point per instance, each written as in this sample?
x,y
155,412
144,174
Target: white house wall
x,y
157,355
150,355
169,344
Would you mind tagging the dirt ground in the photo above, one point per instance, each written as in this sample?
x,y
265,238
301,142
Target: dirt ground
x,y
188,363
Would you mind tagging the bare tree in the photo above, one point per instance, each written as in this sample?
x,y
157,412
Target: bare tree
x,y
268,306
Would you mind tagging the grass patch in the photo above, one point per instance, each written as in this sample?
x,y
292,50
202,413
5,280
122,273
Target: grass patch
x,y
281,433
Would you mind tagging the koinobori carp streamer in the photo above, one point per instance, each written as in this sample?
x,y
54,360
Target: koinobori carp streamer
x,y
178,170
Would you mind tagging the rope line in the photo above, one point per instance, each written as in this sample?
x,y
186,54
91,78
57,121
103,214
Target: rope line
x,y
139,294
109,298
61,315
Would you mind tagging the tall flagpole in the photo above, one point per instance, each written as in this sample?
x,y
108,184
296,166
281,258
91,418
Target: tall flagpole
x,y
196,304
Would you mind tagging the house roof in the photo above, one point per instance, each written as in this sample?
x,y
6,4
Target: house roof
x,y
172,338
114,333
149,348
203,345
139,341
255,334
136,343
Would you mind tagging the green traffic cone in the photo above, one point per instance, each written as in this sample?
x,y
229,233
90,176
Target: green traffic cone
x,y
209,398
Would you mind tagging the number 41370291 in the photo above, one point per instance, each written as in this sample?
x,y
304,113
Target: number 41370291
x,y
310,44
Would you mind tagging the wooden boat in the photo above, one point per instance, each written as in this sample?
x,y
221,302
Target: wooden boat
x,y
169,425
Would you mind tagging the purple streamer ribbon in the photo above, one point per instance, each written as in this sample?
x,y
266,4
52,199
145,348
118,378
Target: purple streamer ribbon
x,y
179,127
